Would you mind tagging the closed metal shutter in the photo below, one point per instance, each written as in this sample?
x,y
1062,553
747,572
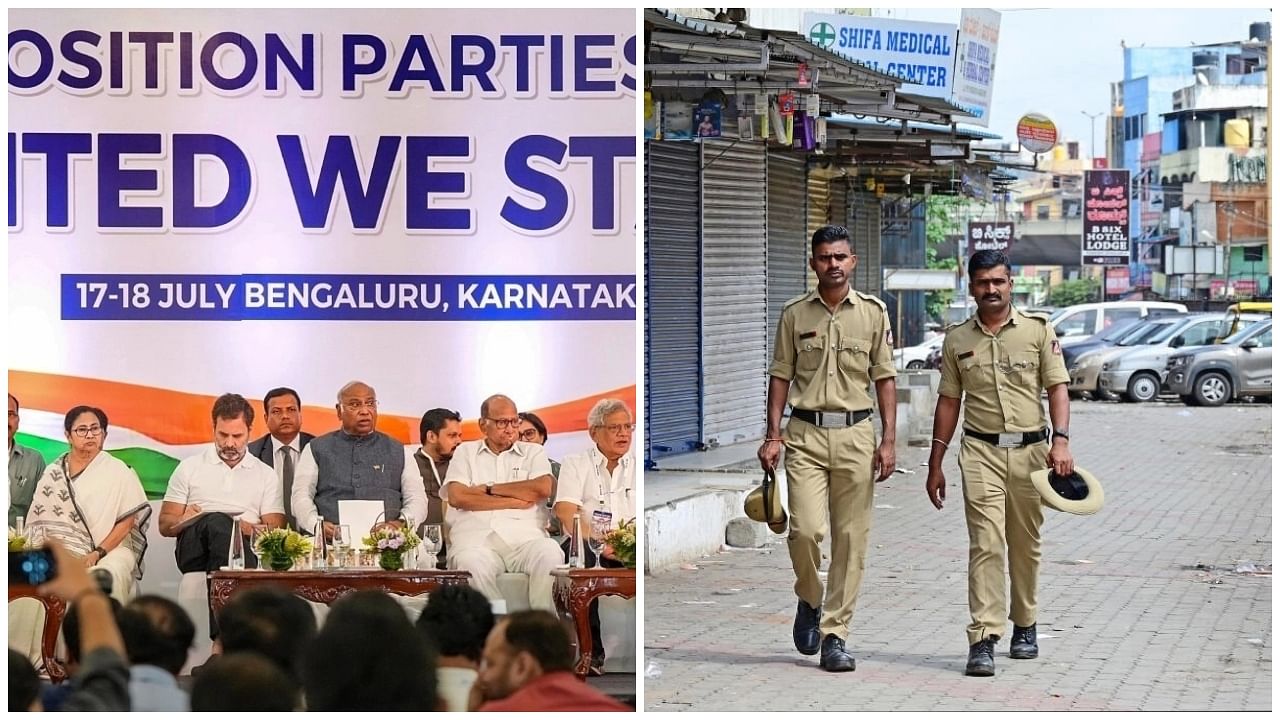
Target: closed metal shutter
x,y
672,333
861,213
734,298
818,210
788,241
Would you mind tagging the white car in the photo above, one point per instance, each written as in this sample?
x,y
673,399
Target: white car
x,y
1076,323
912,358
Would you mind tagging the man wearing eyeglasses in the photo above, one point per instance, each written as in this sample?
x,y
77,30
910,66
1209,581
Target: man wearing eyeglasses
x,y
493,489
25,468
832,344
598,484
356,462
284,441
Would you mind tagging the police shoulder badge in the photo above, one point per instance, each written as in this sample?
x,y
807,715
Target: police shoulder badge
x,y
1057,349
888,337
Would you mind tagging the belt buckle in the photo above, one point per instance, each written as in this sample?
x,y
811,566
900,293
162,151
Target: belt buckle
x,y
830,419
1009,440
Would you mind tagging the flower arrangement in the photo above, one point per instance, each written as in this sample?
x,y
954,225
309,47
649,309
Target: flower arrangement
x,y
16,542
278,549
623,542
391,543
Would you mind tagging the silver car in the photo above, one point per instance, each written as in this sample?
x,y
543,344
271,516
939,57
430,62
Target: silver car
x,y
1085,371
1214,374
1137,374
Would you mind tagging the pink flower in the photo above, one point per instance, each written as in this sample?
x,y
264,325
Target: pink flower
x,y
382,544
396,542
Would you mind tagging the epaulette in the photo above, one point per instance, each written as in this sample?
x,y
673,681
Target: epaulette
x,y
1043,319
795,300
873,299
948,328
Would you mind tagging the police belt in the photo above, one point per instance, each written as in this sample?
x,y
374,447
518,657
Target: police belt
x,y
1010,439
827,419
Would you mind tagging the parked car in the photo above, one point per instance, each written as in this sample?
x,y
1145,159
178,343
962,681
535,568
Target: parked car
x,y
1084,373
1106,338
1214,374
913,358
1236,312
1137,374
1079,322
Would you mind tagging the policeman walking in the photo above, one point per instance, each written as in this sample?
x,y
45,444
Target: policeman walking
x,y
999,361
831,343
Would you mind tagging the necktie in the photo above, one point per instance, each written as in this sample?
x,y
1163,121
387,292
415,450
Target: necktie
x,y
288,484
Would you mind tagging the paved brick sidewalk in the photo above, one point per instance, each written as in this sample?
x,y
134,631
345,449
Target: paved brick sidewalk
x,y
1142,605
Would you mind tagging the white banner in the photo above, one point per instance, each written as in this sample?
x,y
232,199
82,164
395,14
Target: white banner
x,y
976,63
437,202
921,53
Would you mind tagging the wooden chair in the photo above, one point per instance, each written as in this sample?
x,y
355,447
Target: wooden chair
x,y
54,611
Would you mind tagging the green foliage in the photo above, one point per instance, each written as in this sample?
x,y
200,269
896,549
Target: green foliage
x,y
623,542
1073,292
282,543
940,221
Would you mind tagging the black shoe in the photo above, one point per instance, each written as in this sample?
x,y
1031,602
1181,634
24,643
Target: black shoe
x,y
805,631
982,658
1023,644
834,656
597,666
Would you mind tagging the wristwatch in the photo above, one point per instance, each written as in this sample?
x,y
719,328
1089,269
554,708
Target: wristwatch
x,y
1062,434
488,489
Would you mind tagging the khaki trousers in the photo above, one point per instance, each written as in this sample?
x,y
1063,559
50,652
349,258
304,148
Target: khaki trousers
x,y
829,473
1002,509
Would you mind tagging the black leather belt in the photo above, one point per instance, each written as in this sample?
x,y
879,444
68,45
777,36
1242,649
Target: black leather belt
x,y
829,419
1010,439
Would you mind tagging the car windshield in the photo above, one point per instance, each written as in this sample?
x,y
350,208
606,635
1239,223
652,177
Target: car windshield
x,y
1120,330
1162,334
1244,334
1143,333
1053,319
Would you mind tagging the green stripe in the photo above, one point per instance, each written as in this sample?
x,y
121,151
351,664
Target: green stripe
x,y
153,468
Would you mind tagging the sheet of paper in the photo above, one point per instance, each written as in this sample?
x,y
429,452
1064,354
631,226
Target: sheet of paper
x,y
360,515
183,525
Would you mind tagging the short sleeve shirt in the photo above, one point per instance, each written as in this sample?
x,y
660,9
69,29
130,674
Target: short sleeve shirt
x,y
831,358
1001,376
251,487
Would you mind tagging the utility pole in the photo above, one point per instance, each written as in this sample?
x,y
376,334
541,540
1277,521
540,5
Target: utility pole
x,y
1093,126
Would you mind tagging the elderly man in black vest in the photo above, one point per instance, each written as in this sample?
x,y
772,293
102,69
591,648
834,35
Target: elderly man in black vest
x,y
357,463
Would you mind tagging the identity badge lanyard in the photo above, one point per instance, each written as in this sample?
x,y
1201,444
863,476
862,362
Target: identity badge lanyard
x,y
601,516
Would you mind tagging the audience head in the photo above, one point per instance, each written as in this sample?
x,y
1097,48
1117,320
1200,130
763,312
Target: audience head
x,y
243,682
369,657
24,684
612,427
157,631
71,629
522,647
357,408
532,429
499,422
441,432
457,620
283,409
272,622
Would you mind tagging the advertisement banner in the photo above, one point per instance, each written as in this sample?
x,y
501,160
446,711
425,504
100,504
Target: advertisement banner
x,y
1105,239
976,63
990,236
1117,280
439,203
922,54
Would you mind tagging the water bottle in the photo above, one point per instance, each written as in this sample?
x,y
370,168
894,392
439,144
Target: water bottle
x,y
319,546
575,542
235,553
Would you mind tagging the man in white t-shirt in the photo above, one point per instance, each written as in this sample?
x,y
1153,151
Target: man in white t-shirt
x,y
598,485
223,482
493,488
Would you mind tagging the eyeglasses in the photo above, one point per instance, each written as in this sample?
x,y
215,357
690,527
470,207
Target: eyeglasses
x,y
505,423
87,432
355,405
529,435
621,429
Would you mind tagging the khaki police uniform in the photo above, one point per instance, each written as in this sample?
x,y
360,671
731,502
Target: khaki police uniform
x,y
1001,378
831,360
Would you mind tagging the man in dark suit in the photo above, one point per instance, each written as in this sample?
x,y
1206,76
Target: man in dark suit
x,y
284,440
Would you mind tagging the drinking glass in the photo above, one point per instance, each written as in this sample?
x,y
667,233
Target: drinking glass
x,y
595,539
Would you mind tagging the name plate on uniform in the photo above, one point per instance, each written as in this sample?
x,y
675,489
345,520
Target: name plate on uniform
x,y
1010,440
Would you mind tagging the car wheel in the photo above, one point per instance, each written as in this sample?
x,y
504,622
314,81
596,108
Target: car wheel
x,y
1212,389
1075,394
1189,400
915,365
1101,394
1143,387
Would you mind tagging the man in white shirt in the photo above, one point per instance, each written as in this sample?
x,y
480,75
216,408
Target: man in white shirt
x,y
281,447
220,483
598,484
493,489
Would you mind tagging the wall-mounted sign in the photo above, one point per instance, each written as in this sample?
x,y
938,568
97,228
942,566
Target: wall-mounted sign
x,y
976,62
1037,133
922,54
990,236
1105,238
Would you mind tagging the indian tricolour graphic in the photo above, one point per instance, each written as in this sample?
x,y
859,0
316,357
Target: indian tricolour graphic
x,y
438,203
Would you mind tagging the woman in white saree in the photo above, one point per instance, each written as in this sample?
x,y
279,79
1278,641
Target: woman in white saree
x,y
95,506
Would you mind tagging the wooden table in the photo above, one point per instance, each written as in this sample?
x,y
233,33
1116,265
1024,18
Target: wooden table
x,y
326,586
54,610
574,590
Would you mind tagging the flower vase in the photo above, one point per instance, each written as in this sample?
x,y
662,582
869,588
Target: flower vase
x,y
280,564
391,560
